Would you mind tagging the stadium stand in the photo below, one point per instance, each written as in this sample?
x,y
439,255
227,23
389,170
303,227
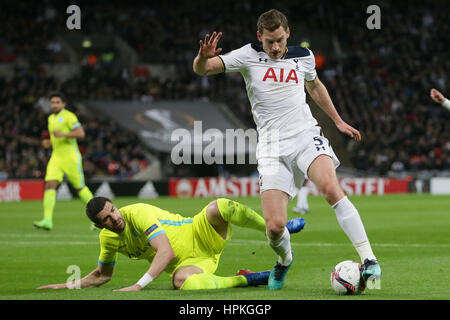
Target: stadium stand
x,y
109,150
379,81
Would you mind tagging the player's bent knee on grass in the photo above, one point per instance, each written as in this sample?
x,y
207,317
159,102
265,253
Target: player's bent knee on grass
x,y
213,209
216,220
182,274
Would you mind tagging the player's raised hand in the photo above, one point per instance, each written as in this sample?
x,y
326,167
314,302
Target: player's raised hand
x,y
349,130
437,96
208,46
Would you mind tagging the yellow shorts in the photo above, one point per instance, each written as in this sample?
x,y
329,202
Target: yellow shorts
x,y
57,167
208,245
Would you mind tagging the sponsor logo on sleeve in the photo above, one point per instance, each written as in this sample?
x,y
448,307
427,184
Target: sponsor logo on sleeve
x,y
151,229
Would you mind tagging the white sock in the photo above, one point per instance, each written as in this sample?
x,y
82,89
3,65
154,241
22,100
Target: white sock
x,y
282,247
302,198
350,221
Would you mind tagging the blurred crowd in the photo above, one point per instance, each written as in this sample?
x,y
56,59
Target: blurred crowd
x,y
111,150
380,83
107,150
383,84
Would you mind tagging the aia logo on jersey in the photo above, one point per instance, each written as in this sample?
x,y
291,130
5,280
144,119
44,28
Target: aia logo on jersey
x,y
270,74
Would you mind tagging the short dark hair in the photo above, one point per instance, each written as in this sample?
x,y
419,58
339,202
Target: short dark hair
x,y
271,20
57,94
94,206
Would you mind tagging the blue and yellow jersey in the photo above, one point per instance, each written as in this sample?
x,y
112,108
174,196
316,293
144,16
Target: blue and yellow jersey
x,y
64,121
143,222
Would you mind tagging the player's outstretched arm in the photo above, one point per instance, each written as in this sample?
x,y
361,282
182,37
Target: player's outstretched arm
x,y
164,254
206,62
319,93
97,277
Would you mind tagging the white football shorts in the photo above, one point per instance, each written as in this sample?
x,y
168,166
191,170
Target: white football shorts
x,y
283,165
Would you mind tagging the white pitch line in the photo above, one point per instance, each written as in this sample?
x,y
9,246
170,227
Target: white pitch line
x,y
47,243
45,234
233,242
324,244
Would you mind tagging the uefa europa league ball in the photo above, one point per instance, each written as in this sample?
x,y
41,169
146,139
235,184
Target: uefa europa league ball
x,y
346,278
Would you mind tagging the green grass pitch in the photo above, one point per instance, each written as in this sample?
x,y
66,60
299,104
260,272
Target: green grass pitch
x,y
410,234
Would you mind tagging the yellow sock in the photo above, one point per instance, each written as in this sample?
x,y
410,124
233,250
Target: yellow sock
x,y
85,195
49,203
240,215
201,281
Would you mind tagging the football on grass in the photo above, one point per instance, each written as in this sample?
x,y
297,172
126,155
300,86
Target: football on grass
x,y
346,278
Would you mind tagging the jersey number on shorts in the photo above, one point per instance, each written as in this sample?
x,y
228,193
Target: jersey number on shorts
x,y
319,143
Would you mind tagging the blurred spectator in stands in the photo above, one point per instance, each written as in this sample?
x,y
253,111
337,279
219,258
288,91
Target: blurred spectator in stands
x,y
379,84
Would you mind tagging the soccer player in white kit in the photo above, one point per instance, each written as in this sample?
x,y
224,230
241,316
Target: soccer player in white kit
x,y
291,146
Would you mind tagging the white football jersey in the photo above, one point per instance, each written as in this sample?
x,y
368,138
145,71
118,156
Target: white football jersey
x,y
275,88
